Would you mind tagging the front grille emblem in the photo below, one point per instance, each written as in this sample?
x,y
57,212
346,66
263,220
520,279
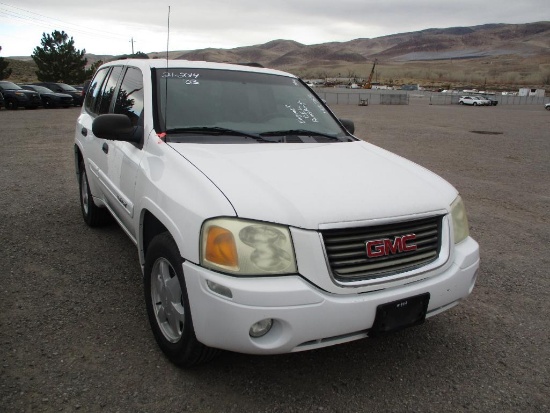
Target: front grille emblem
x,y
385,246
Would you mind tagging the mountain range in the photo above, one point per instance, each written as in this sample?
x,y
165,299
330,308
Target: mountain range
x,y
490,40
493,54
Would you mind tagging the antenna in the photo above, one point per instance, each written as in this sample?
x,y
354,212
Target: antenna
x,y
166,80
168,37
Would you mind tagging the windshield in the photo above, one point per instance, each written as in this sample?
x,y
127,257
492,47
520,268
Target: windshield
x,y
67,88
243,102
9,86
41,89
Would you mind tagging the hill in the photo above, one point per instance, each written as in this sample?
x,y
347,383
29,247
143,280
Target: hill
x,y
498,55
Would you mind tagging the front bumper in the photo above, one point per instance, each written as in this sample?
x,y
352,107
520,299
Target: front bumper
x,y
306,317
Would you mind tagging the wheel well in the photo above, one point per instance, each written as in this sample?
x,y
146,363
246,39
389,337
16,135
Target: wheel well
x,y
77,159
151,228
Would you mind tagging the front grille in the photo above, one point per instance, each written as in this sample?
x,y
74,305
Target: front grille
x,y
347,249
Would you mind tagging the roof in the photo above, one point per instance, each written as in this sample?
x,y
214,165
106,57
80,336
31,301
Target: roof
x,y
146,64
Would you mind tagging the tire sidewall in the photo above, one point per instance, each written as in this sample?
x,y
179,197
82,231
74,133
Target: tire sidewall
x,y
84,176
11,104
164,246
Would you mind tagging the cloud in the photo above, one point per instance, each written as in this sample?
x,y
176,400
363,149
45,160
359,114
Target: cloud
x,y
106,26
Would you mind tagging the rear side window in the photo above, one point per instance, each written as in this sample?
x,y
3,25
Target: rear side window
x,y
129,100
94,88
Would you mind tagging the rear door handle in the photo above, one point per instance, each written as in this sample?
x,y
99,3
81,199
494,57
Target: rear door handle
x,y
105,147
84,132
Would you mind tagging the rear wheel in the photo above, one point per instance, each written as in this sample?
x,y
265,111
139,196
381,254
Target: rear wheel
x,y
475,103
168,306
93,215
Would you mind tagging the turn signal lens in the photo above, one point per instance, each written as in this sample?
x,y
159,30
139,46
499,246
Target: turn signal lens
x,y
221,248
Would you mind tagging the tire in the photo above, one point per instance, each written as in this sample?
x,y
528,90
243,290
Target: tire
x,y
48,104
168,304
461,103
11,104
93,215
547,107
475,103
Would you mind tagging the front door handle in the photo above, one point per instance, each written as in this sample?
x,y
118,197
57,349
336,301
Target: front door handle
x,y
105,147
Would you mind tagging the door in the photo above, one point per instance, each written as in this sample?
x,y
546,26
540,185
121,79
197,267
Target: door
x,y
123,158
99,101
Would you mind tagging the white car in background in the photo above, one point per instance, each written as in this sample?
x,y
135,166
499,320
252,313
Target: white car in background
x,y
474,101
547,106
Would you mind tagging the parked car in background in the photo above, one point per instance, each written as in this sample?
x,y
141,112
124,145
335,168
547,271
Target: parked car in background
x,y
16,97
64,88
85,88
547,106
49,98
490,98
2,103
473,101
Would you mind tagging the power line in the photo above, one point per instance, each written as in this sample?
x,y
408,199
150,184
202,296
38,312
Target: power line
x,y
44,20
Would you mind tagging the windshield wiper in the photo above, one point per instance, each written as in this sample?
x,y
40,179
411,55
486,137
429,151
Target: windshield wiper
x,y
305,132
216,130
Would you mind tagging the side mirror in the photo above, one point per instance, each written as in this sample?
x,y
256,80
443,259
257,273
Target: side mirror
x,y
348,124
115,127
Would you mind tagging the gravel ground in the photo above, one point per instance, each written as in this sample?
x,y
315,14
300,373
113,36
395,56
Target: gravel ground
x,y
73,328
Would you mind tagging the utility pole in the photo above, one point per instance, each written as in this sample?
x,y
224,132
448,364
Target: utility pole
x,y
132,41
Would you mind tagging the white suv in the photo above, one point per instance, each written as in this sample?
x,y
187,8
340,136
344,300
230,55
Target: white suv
x,y
262,224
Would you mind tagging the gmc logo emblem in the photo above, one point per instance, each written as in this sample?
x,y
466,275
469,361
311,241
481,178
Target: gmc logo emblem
x,y
381,247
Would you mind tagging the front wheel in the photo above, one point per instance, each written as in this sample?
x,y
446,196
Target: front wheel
x,y
11,104
168,306
460,103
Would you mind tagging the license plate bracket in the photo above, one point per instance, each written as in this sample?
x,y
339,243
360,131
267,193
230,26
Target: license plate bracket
x,y
400,314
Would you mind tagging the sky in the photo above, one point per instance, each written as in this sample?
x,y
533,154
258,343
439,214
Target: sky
x,y
109,26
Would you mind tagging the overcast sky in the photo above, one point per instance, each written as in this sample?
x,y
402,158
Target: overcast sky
x,y
107,26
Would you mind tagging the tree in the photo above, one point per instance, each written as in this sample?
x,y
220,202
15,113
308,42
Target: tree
x,y
4,71
92,69
58,60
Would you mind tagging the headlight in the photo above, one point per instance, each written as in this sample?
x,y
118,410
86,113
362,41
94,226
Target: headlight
x,y
243,247
460,220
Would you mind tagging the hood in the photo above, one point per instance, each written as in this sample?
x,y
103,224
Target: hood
x,y
311,185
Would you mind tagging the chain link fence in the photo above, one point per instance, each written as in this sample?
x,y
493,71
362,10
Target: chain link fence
x,y
364,97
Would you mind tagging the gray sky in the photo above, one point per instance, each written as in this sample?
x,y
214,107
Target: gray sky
x,y
107,26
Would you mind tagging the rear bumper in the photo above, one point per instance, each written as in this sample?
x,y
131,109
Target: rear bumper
x,y
306,317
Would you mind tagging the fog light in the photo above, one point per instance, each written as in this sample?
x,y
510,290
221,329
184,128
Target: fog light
x,y
219,289
261,328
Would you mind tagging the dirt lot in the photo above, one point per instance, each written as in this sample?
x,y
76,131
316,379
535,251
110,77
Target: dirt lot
x,y
74,333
